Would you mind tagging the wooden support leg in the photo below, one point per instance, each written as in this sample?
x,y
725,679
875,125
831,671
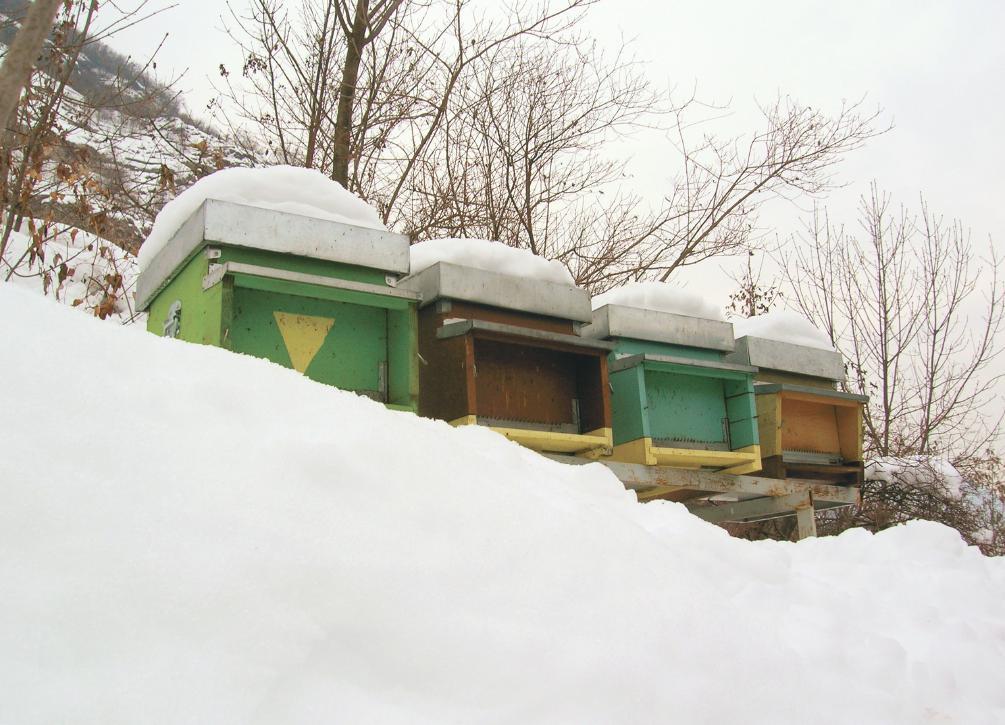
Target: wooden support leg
x,y
806,521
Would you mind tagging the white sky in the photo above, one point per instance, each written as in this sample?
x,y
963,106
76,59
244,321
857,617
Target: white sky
x,y
937,68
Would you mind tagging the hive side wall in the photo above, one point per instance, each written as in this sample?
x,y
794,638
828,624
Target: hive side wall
x,y
629,406
444,374
742,413
849,421
201,310
402,358
769,424
593,389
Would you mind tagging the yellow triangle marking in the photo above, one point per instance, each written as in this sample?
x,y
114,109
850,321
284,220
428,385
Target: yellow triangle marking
x,y
304,335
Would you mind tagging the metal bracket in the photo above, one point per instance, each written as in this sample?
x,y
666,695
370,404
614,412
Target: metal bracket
x,y
218,271
172,325
215,275
213,253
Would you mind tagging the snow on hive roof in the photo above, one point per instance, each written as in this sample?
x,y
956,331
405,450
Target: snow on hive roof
x,y
783,326
661,297
489,256
925,472
290,189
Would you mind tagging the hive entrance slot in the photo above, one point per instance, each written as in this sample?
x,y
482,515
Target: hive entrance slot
x,y
812,458
529,425
691,445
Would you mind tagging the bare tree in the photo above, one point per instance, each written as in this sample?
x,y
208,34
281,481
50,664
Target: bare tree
x,y
472,123
713,208
522,150
55,182
398,64
753,296
918,317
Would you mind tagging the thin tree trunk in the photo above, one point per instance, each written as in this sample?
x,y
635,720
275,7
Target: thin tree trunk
x,y
347,93
20,60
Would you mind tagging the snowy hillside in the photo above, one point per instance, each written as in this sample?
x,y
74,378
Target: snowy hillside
x,y
189,535
119,146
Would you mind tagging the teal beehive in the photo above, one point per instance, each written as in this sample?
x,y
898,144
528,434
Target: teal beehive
x,y
675,401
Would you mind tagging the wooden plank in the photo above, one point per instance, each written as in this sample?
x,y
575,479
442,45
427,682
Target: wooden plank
x,y
755,509
806,522
849,422
516,335
640,478
769,424
808,397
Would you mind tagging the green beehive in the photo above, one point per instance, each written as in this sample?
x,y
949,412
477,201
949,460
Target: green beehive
x,y
311,294
675,401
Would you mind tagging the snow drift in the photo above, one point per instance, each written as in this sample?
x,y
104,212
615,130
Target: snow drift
x,y
189,535
932,473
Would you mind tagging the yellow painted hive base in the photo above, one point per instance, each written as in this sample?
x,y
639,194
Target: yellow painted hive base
x,y
593,444
642,450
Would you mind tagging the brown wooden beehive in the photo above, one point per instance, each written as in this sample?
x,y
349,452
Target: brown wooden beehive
x,y
504,352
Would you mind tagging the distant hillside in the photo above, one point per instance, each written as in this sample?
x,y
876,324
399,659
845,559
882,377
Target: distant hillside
x,y
129,140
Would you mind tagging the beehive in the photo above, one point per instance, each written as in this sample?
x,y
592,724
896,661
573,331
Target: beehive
x,y
315,295
808,429
503,351
676,402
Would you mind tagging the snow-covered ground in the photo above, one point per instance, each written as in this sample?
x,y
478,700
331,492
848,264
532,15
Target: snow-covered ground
x,y
931,473
189,535
79,269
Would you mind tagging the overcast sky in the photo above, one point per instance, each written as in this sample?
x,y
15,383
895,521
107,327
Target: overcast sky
x,y
936,68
